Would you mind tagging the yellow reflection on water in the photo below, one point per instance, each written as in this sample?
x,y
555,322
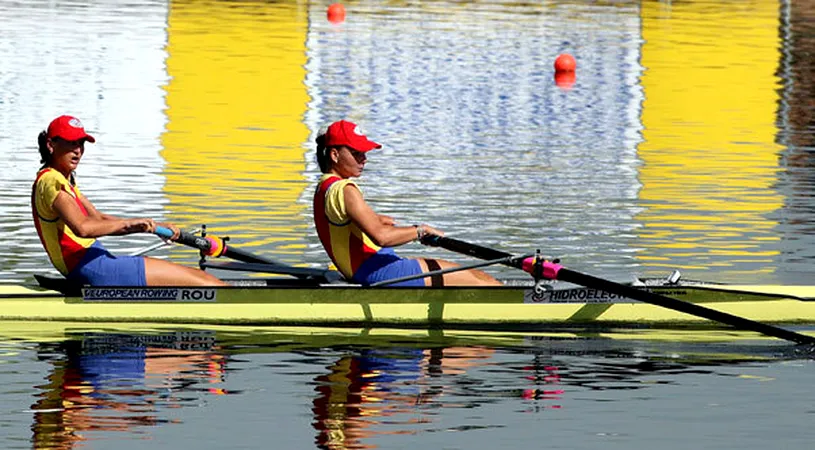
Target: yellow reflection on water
x,y
710,160
235,135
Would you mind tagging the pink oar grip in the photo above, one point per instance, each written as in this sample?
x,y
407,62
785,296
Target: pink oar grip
x,y
550,269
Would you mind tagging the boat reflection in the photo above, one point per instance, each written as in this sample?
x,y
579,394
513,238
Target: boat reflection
x,y
110,382
367,384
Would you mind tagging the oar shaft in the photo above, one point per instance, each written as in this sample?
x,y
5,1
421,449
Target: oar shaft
x,y
491,262
556,271
149,248
214,246
642,295
476,251
527,264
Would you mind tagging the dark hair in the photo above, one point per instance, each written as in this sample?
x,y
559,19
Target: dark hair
x,y
322,154
45,154
42,143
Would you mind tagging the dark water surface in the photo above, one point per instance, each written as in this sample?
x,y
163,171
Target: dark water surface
x,y
685,141
117,386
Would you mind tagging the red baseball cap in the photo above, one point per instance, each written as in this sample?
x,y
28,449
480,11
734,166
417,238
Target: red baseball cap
x,y
68,128
348,134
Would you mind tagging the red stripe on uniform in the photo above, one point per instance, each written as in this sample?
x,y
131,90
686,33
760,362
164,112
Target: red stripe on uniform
x,y
72,252
320,219
359,252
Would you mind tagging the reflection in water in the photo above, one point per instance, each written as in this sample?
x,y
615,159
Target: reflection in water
x,y
710,161
235,139
663,154
366,389
120,383
386,391
796,116
476,135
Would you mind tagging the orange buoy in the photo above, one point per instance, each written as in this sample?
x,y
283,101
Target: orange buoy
x,y
565,63
336,13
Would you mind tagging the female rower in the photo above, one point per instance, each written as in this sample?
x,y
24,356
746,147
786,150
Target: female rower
x,y
68,223
357,239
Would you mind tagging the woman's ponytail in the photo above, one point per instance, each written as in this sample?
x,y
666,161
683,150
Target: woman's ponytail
x,y
322,153
42,143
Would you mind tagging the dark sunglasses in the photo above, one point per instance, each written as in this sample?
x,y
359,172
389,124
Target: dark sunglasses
x,y
356,154
72,144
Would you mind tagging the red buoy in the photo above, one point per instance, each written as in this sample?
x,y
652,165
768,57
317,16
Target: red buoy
x,y
565,63
336,13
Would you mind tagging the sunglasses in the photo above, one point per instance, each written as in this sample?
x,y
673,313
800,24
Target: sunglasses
x,y
65,142
356,154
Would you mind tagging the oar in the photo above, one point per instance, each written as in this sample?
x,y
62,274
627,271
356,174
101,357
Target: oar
x,y
490,262
214,246
557,272
149,248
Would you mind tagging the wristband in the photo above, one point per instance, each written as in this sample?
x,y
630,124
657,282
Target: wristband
x,y
419,232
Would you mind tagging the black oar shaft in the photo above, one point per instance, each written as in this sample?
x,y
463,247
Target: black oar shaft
x,y
590,281
693,309
476,251
469,249
215,246
202,243
244,256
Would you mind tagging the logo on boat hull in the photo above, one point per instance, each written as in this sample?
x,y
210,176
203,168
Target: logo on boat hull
x,y
148,295
541,294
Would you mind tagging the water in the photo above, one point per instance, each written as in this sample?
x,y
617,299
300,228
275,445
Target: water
x,y
324,388
683,143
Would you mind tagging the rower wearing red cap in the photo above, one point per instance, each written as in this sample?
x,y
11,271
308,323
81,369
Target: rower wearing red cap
x,y
357,239
68,223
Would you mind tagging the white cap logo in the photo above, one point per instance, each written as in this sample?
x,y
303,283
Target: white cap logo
x,y
75,123
358,131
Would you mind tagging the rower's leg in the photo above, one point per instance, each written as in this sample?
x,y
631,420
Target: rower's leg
x,y
471,277
165,273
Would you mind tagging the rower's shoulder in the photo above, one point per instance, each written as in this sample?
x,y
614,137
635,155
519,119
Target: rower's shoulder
x,y
49,177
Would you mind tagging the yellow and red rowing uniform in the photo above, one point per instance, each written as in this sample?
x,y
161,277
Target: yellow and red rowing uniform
x,y
346,244
65,249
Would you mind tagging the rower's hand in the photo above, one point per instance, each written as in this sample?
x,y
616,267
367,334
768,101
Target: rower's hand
x,y
428,230
139,226
176,231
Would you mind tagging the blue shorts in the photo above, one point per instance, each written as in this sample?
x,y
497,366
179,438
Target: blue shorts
x,y
99,267
387,265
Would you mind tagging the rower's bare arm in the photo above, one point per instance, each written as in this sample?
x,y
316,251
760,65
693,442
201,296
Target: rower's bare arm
x,y
371,223
93,212
387,220
94,226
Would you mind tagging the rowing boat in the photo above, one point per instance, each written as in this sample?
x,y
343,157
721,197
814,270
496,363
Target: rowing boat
x,y
555,297
519,304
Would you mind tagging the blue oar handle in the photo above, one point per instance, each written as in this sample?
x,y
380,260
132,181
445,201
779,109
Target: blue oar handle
x,y
164,232
213,246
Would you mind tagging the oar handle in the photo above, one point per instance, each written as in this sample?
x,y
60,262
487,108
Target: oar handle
x,y
211,246
164,232
214,246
